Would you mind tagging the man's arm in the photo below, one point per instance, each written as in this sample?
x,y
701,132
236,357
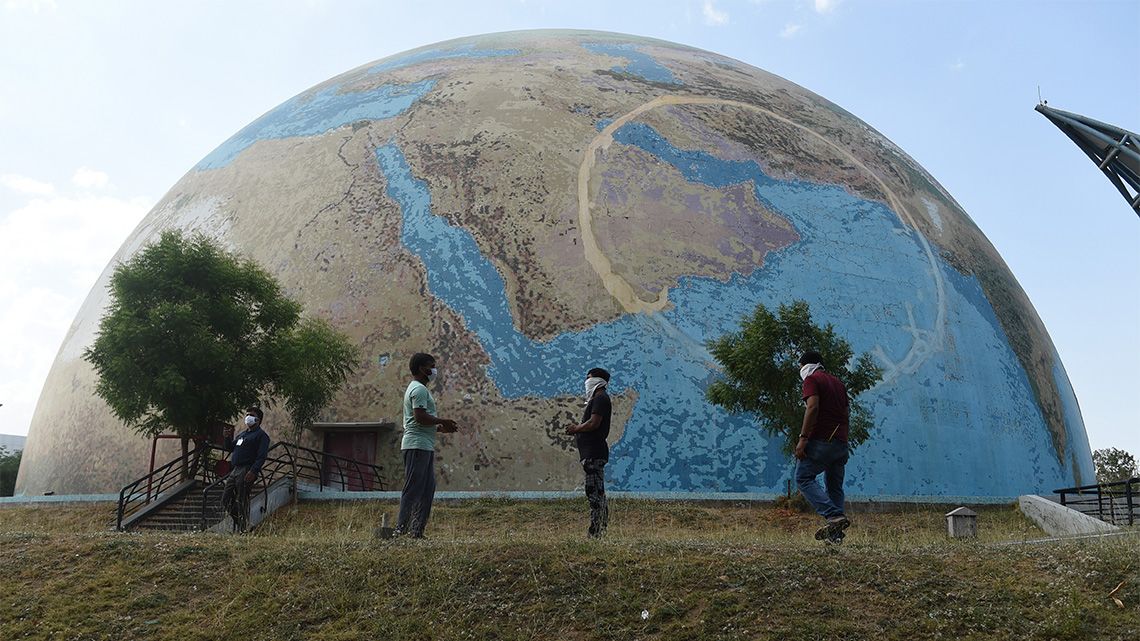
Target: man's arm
x,y
589,426
423,418
811,412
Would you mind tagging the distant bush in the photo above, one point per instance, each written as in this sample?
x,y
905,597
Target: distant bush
x,y
9,468
1113,464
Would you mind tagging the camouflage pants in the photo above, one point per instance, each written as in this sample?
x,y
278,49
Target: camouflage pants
x,y
596,495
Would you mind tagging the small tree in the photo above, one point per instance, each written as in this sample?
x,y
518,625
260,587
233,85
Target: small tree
x,y
9,468
761,371
1113,465
194,335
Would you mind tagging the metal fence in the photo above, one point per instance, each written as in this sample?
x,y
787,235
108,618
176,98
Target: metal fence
x,y
1117,503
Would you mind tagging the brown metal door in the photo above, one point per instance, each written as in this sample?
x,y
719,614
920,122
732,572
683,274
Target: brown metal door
x,y
356,446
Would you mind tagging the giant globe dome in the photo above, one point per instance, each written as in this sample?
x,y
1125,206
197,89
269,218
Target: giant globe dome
x,y
528,205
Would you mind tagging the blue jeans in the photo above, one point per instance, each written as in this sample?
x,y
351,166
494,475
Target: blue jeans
x,y
830,459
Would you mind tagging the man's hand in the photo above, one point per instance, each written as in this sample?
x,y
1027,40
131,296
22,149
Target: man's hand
x,y
448,426
589,426
801,449
250,477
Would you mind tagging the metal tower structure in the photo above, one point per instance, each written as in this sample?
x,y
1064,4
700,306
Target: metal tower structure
x,y
1115,151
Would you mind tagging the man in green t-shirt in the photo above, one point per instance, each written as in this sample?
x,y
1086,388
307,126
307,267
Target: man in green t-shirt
x,y
418,446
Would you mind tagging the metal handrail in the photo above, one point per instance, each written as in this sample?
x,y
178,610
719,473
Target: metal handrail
x,y
1106,497
297,462
133,498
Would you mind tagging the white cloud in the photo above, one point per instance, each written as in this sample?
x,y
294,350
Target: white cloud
x,y
825,6
713,16
52,250
87,178
790,30
957,65
24,185
35,6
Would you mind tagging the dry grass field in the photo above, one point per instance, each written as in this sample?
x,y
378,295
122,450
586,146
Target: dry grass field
x,y
503,569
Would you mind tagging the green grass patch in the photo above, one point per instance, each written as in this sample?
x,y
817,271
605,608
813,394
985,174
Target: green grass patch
x,y
502,569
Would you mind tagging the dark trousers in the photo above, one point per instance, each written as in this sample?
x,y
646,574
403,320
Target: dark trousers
x,y
419,491
595,470
235,496
830,459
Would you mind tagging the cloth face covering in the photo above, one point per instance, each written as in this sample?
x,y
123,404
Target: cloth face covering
x,y
592,385
808,370
250,420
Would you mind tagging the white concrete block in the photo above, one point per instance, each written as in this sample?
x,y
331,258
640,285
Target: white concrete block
x,y
1058,520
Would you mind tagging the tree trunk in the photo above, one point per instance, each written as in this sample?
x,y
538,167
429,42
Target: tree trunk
x,y
185,458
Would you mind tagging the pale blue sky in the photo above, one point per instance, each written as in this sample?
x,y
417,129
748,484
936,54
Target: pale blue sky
x,y
105,105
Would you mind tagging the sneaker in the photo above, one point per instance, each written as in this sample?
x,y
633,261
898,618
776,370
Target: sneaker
x,y
835,525
839,523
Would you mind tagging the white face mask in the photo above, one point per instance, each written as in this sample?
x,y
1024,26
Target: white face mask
x,y
432,374
592,384
808,370
251,421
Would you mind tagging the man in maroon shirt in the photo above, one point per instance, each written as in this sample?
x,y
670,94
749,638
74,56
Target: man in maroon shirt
x,y
822,446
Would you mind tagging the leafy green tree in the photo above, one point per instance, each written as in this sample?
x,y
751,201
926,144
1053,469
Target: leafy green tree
x,y
9,468
194,335
761,364
1114,465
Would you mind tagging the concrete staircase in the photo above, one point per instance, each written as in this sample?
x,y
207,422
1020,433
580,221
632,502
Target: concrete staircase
x,y
165,499
181,511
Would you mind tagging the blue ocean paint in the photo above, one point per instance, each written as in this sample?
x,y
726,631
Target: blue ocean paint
x,y
963,421
464,51
640,64
314,114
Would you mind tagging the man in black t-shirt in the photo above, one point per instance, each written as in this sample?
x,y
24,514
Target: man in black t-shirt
x,y
590,436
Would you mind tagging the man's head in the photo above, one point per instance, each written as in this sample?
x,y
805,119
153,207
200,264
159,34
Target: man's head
x,y
254,413
421,364
598,372
811,358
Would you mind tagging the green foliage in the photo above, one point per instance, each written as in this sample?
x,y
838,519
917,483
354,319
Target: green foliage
x,y
761,371
194,335
1114,465
9,468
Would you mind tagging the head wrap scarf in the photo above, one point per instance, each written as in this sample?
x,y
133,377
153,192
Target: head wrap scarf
x,y
592,385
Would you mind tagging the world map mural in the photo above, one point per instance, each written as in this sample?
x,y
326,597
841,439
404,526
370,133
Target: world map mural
x,y
528,205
